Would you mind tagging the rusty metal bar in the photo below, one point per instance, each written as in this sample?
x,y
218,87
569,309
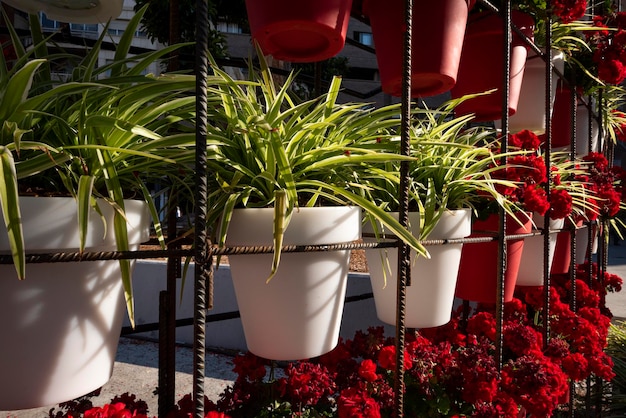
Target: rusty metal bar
x,y
548,156
404,251
506,50
201,251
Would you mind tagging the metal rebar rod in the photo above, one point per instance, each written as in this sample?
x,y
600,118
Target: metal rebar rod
x,y
548,157
404,251
200,254
506,50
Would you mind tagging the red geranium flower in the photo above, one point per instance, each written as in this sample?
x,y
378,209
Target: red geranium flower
x,y
526,140
569,10
353,403
367,370
560,203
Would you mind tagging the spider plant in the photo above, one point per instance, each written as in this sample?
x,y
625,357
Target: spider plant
x,y
94,136
268,149
451,168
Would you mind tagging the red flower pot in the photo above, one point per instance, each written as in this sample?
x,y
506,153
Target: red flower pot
x,y
478,272
562,124
438,32
562,117
482,64
299,31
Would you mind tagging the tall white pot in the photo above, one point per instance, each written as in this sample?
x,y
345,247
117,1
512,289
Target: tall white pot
x,y
61,325
582,243
583,136
531,267
531,109
430,296
297,315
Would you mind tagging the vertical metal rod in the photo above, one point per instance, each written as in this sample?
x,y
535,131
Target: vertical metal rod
x,y
165,387
506,22
404,251
167,318
601,234
572,226
548,157
588,231
167,299
200,240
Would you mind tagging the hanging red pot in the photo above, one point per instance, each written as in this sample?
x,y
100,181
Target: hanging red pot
x,y
299,31
438,32
562,117
478,272
482,64
562,124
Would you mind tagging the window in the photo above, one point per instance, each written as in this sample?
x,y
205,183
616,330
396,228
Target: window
x,y
227,27
364,37
80,29
84,28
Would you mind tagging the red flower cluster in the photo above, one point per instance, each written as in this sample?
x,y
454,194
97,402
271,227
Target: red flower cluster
x,y
606,184
609,47
450,371
529,171
569,10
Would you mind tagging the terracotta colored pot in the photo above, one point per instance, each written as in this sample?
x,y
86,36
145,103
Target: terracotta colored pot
x,y
478,272
436,47
302,31
562,117
482,65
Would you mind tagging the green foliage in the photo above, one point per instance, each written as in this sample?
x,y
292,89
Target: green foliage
x,y
102,134
451,167
264,147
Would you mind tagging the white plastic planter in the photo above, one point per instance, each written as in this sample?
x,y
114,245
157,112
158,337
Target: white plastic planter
x,y
531,109
531,267
61,325
297,315
430,296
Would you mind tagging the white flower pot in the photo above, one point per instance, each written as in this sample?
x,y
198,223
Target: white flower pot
x,y
582,243
531,267
583,136
297,315
531,109
61,325
430,296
